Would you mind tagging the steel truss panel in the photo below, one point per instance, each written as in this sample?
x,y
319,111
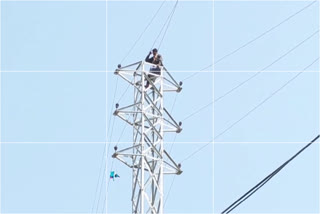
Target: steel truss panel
x,y
150,120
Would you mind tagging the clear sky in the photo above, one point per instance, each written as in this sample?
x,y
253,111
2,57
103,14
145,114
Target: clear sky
x,y
44,35
92,37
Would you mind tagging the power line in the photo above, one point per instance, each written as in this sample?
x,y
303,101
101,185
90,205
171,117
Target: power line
x,y
111,168
266,99
252,110
266,32
253,76
195,152
169,22
170,150
195,73
256,38
104,153
165,26
268,66
104,174
122,95
170,188
145,29
166,23
265,180
97,186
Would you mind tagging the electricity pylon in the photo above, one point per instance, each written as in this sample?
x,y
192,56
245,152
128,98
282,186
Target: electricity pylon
x,y
150,120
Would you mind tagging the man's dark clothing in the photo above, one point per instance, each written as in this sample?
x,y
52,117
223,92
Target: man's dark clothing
x,y
156,70
155,60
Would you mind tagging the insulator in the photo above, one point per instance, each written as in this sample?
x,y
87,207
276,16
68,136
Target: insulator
x,y
117,105
179,165
119,65
115,148
180,83
180,123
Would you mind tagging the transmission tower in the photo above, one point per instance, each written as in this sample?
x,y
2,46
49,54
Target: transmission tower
x,y
150,120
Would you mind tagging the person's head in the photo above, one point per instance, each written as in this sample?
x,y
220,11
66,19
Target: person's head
x,y
154,51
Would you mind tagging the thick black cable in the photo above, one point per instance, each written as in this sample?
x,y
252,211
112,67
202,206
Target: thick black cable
x,y
252,110
145,29
266,179
256,38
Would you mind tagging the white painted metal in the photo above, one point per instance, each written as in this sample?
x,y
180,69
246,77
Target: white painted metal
x,y
150,120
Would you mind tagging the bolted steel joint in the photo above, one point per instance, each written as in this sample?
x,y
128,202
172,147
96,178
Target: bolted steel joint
x,y
114,155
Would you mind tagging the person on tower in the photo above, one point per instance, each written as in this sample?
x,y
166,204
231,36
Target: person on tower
x,y
157,60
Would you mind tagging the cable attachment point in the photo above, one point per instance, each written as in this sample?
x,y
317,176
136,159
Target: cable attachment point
x,y
179,88
179,169
117,70
179,129
115,113
114,155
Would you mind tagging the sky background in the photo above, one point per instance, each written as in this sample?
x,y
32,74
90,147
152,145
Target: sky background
x,y
54,124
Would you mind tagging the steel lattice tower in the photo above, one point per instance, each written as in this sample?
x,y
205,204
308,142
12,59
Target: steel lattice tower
x,y
150,120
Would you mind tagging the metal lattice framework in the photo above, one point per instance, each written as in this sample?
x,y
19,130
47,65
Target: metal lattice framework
x,y
150,120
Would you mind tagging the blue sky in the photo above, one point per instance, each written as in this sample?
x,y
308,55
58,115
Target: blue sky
x,y
239,22
79,41
53,36
53,107
49,178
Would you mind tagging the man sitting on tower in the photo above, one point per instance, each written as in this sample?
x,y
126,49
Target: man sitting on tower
x,y
156,59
